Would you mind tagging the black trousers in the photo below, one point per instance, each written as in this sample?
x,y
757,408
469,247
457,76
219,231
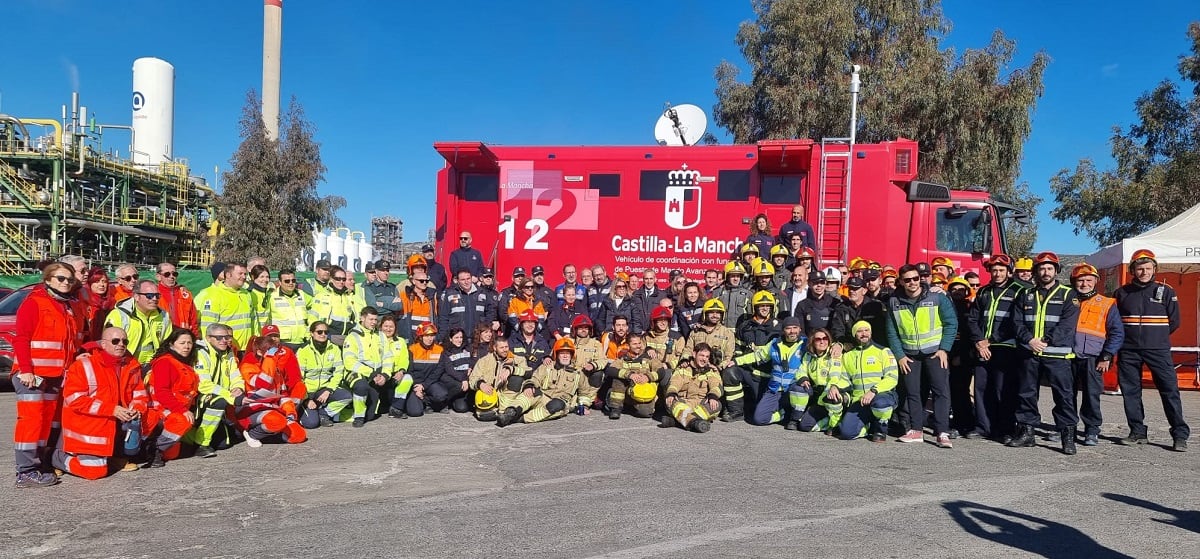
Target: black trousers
x,y
1062,385
1090,384
997,382
960,394
929,369
1162,370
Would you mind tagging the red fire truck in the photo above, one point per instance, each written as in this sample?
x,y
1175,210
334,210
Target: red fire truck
x,y
631,208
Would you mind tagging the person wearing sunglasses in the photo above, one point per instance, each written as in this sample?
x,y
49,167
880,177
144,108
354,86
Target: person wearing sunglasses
x,y
921,328
466,257
127,276
526,300
144,323
176,299
822,364
856,306
336,306
48,323
322,368
226,302
287,309
418,300
105,397
221,386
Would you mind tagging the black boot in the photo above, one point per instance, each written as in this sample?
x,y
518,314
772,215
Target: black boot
x,y
614,413
488,415
1068,441
509,416
734,411
667,421
156,461
1024,437
699,425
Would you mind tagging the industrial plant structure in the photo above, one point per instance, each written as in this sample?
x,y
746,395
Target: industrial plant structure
x,y
63,190
387,236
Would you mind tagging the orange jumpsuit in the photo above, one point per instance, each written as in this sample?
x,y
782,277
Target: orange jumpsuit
x,y
93,387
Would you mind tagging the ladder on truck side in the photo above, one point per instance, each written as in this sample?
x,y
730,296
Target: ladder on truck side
x,y
833,203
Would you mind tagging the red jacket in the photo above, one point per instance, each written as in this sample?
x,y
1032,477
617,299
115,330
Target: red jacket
x,y
173,384
48,333
94,386
180,306
270,387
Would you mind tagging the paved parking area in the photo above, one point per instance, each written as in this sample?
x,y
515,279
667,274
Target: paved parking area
x,y
449,486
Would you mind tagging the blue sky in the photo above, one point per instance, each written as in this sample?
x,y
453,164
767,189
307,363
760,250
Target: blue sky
x,y
383,80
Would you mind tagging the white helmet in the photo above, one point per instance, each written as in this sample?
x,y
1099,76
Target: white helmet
x,y
833,274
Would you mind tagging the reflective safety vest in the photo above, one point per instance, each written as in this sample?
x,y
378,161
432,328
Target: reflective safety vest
x,y
919,326
868,367
995,315
145,332
232,307
290,314
613,348
395,354
362,354
91,391
424,362
820,369
786,361
336,309
1092,329
320,369
218,372
55,335
1042,314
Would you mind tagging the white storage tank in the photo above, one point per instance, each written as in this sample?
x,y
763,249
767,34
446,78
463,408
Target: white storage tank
x,y
366,252
320,245
337,247
352,244
153,111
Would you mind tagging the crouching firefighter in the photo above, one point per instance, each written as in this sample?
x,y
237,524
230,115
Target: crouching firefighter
x,y
822,363
554,389
634,375
694,395
498,379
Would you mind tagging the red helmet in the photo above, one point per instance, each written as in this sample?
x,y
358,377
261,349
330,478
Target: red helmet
x,y
581,321
805,252
1143,255
1046,258
527,316
999,260
1084,269
426,329
660,312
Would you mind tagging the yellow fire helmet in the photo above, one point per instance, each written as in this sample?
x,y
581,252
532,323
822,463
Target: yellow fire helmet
x,y
484,401
762,268
643,393
1024,264
714,305
762,298
780,250
734,267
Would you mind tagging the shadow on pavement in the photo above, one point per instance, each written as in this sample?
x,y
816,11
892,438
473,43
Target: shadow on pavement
x,y
1186,519
1027,533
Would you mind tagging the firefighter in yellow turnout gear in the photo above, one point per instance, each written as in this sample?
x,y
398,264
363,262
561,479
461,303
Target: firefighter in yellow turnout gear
x,y
723,341
498,379
694,395
634,380
555,388
868,385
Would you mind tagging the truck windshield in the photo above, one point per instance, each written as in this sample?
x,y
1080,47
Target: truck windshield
x,y
963,230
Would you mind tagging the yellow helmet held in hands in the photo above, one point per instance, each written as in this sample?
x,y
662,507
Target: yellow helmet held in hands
x,y
484,401
643,393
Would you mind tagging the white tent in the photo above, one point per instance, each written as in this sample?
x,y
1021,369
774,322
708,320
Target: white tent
x,y
1176,244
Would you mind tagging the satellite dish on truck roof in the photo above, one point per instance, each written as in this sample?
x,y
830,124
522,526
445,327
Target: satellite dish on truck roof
x,y
681,125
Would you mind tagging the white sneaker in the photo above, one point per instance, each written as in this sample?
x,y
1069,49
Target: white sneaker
x,y
251,441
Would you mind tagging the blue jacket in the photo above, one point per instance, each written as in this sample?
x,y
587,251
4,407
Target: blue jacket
x,y
804,229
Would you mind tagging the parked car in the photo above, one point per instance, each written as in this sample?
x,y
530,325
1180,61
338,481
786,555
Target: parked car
x,y
8,328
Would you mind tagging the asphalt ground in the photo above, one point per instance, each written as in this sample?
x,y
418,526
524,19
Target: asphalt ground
x,y
450,486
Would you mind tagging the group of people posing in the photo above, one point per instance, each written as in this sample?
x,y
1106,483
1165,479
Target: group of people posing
x,y
854,351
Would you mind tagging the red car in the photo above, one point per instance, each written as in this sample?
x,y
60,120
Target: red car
x,y
8,328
